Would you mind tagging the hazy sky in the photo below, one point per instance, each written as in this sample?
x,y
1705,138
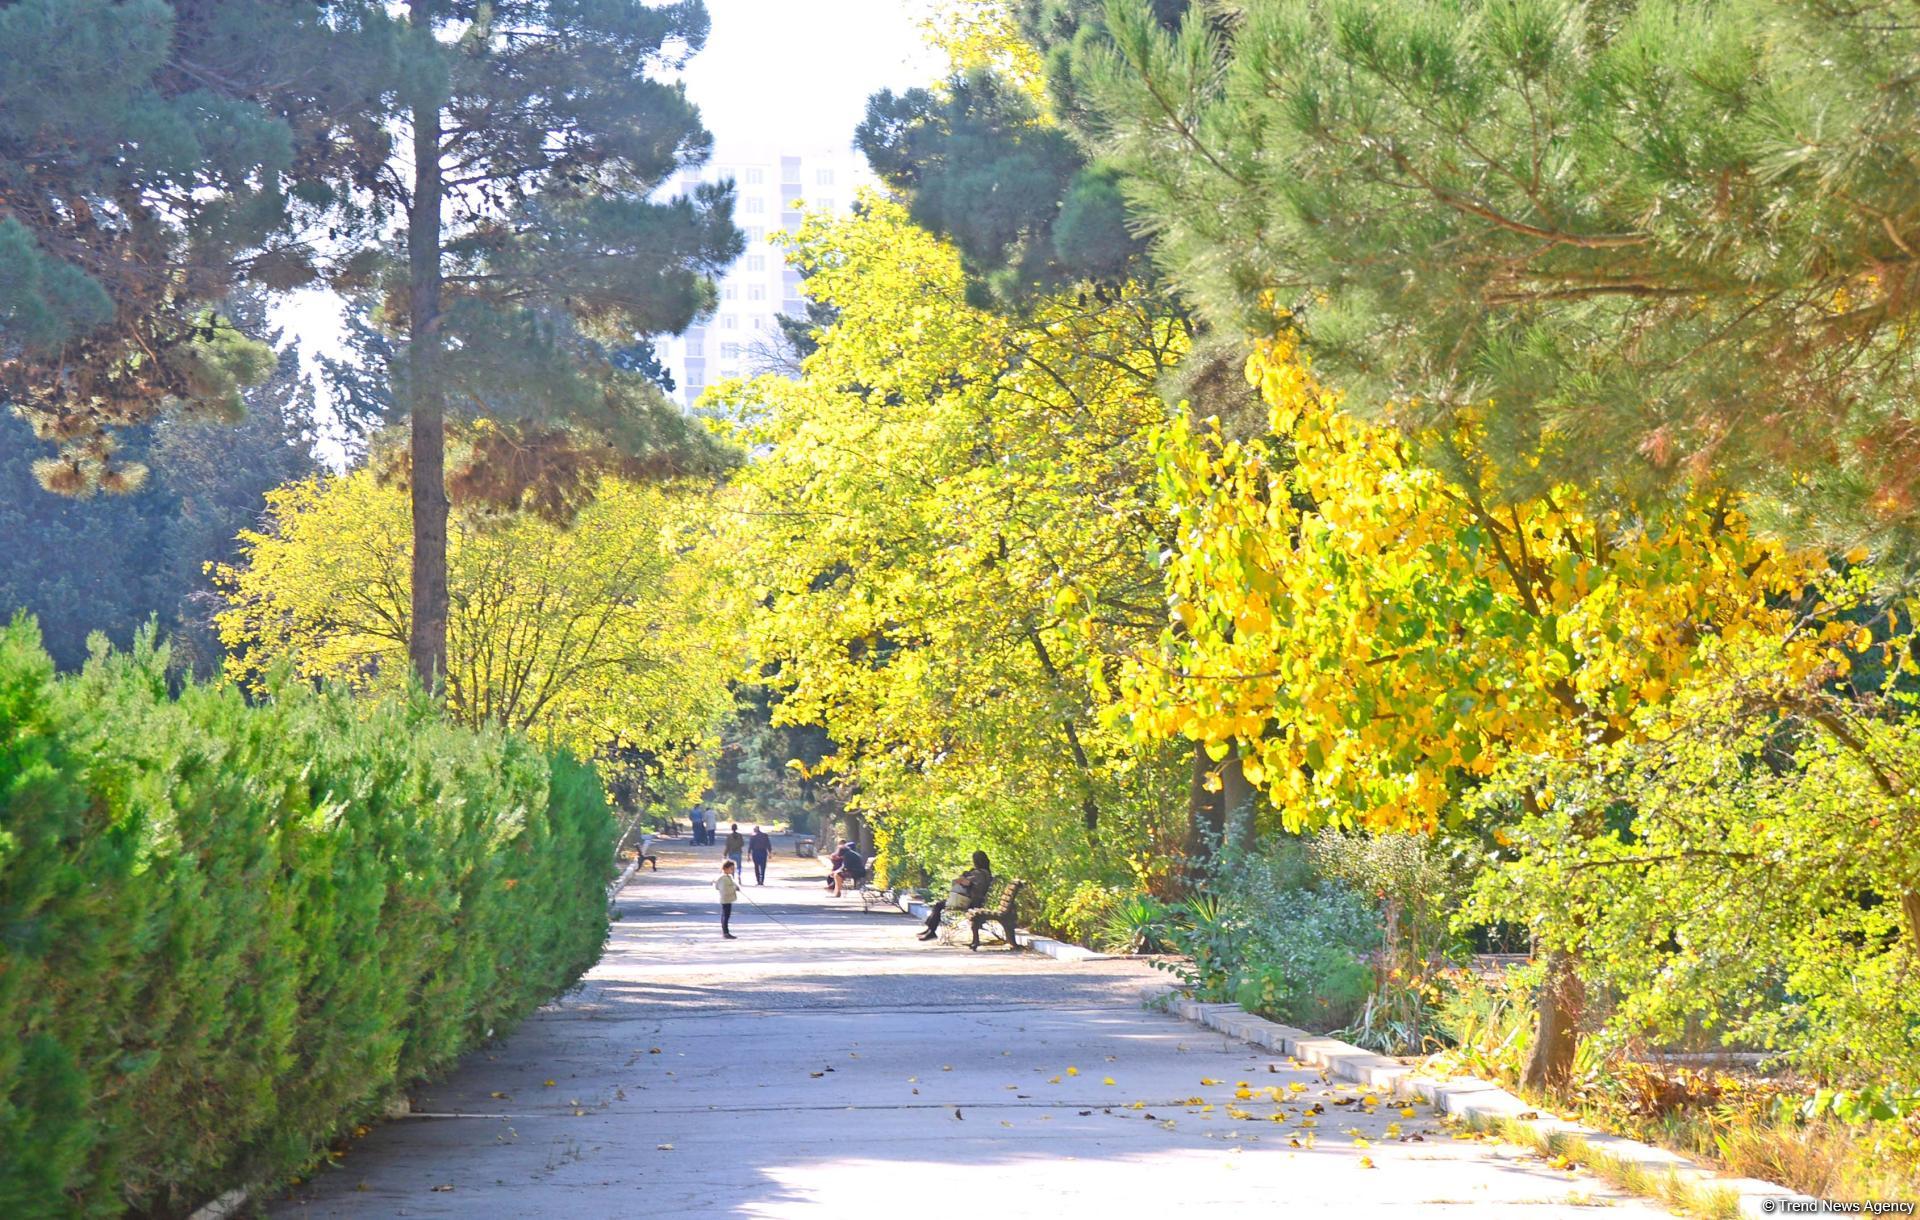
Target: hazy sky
x,y
796,73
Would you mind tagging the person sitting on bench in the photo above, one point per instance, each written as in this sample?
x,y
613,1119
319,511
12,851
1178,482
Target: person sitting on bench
x,y
969,890
852,869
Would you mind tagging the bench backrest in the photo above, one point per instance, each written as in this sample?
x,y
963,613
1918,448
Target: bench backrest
x,y
1001,894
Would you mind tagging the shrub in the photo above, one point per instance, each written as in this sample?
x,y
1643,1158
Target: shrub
x,y
1277,938
226,931
1137,923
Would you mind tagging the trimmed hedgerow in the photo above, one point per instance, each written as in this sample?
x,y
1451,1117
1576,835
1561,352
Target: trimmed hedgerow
x,y
228,930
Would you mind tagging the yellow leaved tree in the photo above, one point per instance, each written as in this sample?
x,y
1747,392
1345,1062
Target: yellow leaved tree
x,y
582,635
1374,633
947,523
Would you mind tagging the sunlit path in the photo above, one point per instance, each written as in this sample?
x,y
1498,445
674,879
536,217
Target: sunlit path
x,y
826,1061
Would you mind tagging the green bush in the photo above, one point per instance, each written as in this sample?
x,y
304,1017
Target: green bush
x,y
227,931
1277,938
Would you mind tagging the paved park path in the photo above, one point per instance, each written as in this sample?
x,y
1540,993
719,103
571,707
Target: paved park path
x,y
826,1063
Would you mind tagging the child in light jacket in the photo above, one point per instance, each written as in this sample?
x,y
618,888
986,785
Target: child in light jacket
x,y
729,889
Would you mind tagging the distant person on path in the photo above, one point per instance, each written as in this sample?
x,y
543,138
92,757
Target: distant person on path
x,y
735,848
760,846
729,890
851,869
969,891
699,825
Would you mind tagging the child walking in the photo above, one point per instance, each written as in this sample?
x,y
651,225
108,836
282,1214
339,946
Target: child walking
x,y
729,890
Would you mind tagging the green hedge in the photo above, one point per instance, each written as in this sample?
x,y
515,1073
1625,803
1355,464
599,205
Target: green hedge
x,y
227,931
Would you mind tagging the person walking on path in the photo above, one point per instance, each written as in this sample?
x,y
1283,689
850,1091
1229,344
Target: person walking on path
x,y
735,849
729,891
760,846
699,825
969,891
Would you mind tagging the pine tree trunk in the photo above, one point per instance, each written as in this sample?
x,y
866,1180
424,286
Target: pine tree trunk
x,y
427,636
1561,1002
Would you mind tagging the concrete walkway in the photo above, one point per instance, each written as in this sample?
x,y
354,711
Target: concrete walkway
x,y
827,1063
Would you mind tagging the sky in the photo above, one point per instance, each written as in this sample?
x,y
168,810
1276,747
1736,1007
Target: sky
x,y
796,73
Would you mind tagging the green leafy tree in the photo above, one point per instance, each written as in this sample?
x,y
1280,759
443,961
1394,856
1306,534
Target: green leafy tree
x,y
1011,190
942,540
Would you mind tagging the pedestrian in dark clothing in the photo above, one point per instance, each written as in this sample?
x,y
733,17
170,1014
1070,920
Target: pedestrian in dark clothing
x,y
760,846
969,891
850,868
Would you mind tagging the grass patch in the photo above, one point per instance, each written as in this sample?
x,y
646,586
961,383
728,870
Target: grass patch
x,y
1686,1195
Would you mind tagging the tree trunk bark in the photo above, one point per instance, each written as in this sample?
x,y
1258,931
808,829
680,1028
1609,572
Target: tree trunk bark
x,y
1089,807
427,632
1206,819
1237,804
1910,907
1561,1002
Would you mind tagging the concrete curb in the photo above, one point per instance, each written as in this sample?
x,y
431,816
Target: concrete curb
x,y
1059,950
1463,1097
626,875
224,1206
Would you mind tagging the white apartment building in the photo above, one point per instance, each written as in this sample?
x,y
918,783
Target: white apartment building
x,y
770,188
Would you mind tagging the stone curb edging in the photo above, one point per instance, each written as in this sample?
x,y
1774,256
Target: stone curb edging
x,y
1463,1097
1059,950
626,875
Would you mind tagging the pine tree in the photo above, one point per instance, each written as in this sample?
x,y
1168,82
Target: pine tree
x,y
537,136
1645,247
151,156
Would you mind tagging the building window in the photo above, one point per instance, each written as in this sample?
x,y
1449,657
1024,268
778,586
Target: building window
x,y
756,292
756,176
756,233
756,262
729,293
753,205
729,351
729,322
823,177
828,204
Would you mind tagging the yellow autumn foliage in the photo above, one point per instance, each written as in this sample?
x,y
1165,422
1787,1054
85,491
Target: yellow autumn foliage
x,y
1354,608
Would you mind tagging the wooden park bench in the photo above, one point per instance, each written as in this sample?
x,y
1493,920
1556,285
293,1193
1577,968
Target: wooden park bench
x,y
872,897
999,907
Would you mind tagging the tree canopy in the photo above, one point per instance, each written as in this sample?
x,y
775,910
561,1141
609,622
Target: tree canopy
x,y
582,636
1650,247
